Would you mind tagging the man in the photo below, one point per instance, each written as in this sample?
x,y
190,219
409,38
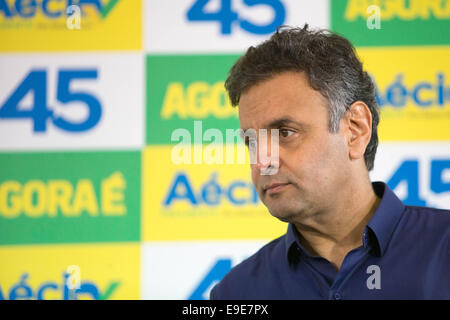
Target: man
x,y
347,238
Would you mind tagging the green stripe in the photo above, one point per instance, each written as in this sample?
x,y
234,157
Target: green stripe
x,y
107,8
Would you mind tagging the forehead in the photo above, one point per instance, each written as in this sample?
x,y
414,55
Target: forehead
x,y
284,96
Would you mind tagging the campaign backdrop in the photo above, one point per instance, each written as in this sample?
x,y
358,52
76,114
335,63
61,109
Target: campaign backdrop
x,y
121,173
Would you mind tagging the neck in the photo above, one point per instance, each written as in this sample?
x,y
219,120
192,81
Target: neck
x,y
332,233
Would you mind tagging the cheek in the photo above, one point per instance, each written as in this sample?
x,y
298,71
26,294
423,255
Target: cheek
x,y
256,179
314,160
301,159
255,174
332,160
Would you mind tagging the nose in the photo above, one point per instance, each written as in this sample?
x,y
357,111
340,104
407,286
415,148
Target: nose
x,y
269,167
267,157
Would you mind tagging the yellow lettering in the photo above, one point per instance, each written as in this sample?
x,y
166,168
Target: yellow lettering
x,y
10,190
31,188
423,11
404,11
447,9
113,195
220,103
60,193
174,102
35,198
386,8
355,9
85,199
197,99
56,6
440,12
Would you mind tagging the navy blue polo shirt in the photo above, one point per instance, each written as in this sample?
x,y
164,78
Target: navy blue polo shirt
x,y
405,255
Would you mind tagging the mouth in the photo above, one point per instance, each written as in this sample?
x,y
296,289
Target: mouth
x,y
275,188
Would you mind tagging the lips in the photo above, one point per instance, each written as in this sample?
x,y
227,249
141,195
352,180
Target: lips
x,y
275,187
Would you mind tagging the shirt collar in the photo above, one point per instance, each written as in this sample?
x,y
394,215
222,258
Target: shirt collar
x,y
387,215
380,228
291,238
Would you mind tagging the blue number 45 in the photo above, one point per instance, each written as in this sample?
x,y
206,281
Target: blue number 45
x,y
226,16
408,172
36,82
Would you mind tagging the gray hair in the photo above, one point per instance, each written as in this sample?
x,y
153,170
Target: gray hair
x,y
332,67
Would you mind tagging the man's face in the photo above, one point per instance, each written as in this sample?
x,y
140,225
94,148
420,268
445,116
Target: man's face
x,y
313,163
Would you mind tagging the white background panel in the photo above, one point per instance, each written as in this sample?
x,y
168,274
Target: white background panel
x,y
173,270
118,87
168,30
391,156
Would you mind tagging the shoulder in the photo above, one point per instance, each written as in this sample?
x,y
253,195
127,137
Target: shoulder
x,y
242,279
427,224
427,217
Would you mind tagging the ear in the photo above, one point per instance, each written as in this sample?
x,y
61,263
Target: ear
x,y
358,120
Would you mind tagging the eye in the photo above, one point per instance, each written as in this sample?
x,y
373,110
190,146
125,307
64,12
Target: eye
x,y
285,133
246,140
249,142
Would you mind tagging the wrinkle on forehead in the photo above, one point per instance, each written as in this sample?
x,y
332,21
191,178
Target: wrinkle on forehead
x,y
280,98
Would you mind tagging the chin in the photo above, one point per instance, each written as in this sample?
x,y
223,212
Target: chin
x,y
282,214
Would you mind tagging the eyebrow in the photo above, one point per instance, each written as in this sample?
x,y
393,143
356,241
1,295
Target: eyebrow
x,y
285,121
281,122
